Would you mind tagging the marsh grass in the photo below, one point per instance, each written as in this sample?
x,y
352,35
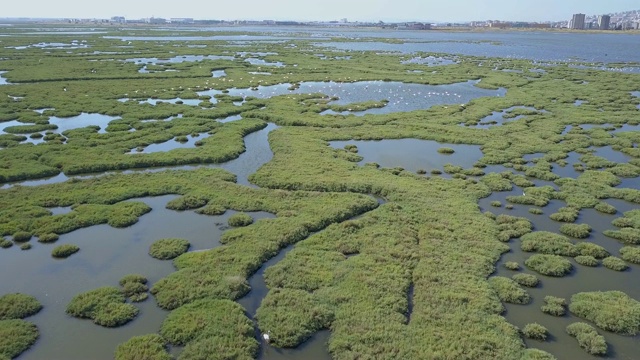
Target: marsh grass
x,y
550,265
18,306
25,246
205,325
148,347
536,354
591,249
579,231
613,311
509,291
535,331
586,260
105,306
64,251
512,265
240,219
554,306
614,263
588,338
527,280
167,249
548,243
630,254
16,336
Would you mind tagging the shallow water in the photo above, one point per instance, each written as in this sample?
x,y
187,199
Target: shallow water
x,y
499,117
263,62
80,121
401,96
106,254
3,81
171,145
412,154
581,279
178,59
257,153
218,73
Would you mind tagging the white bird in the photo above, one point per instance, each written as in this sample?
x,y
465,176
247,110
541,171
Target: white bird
x,y
523,194
266,336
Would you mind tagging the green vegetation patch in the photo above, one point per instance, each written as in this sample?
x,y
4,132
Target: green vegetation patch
x,y
446,150
536,354
580,231
629,236
554,306
217,325
588,338
550,265
535,331
240,219
509,291
64,251
512,227
291,310
134,287
166,249
18,306
105,306
586,260
547,243
147,347
613,311
527,280
615,263
512,265
630,254
591,249
16,336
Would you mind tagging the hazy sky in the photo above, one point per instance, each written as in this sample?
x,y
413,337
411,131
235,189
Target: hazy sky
x,y
353,10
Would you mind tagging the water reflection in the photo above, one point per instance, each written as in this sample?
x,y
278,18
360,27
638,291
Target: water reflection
x,y
412,154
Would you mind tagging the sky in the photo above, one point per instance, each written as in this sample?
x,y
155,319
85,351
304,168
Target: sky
x,y
322,10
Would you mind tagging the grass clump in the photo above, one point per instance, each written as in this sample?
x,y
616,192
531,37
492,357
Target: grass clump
x,y
48,238
630,254
25,246
211,324
512,227
535,331
16,336
579,231
615,263
613,311
550,265
5,244
627,235
446,150
496,203
536,354
134,287
187,202
509,291
536,211
211,210
586,260
64,251
240,219
145,347
554,306
22,236
527,280
591,249
166,249
605,208
512,265
565,214
105,306
547,243
588,338
18,306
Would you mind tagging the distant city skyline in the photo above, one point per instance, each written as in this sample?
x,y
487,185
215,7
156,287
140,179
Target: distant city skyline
x,y
327,10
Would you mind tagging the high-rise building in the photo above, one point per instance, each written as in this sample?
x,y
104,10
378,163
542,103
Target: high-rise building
x,y
577,22
603,22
